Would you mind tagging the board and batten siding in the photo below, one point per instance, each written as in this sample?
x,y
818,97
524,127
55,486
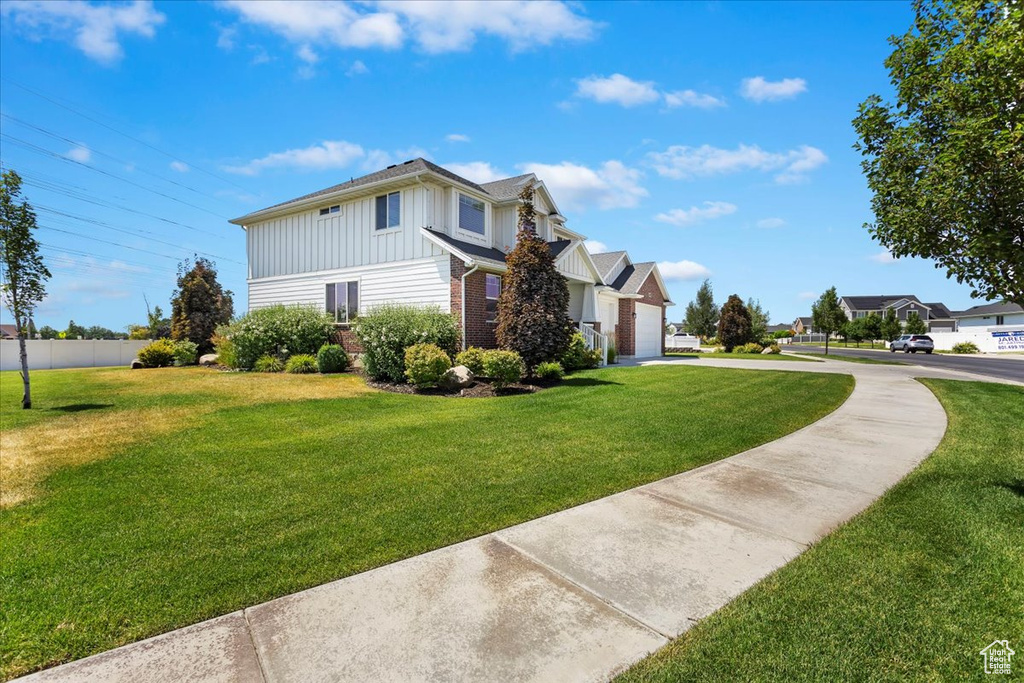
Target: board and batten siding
x,y
423,282
306,242
573,264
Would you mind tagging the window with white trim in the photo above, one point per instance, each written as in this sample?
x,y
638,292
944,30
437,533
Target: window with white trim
x,y
492,291
471,214
330,209
389,210
343,301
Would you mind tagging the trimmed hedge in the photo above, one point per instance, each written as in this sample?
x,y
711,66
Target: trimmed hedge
x,y
159,354
472,358
503,367
332,358
425,364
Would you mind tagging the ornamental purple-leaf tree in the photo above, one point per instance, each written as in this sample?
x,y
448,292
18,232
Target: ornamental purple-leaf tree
x,y
734,324
24,274
199,305
533,309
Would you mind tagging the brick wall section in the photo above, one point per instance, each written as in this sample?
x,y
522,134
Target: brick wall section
x,y
479,332
625,333
348,339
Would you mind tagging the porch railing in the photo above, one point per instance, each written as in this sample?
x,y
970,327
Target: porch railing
x,y
595,340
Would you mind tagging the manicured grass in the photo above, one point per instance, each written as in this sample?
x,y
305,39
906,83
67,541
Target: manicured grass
x,y
160,498
911,589
846,345
738,356
852,359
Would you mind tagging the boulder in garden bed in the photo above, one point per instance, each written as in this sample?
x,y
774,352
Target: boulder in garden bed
x,y
458,377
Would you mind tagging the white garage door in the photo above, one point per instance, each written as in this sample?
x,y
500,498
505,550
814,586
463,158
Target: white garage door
x,y
649,330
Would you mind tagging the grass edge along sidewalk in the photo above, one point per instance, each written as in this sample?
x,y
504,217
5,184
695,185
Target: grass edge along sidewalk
x,y
912,588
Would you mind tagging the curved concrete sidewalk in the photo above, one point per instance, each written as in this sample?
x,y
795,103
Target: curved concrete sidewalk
x,y
578,595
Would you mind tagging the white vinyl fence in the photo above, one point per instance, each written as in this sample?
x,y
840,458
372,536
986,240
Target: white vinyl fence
x,y
988,339
48,354
682,342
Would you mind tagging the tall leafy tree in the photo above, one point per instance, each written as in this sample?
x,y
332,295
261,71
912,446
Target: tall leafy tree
x,y
891,327
914,324
872,326
24,274
533,309
734,323
829,317
199,305
758,320
702,313
945,161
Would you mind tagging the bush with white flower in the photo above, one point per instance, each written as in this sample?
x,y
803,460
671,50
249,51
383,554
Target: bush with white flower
x,y
386,331
278,331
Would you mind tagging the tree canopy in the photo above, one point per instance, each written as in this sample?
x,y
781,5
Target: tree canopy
x,y
199,305
758,320
829,317
734,323
945,161
702,313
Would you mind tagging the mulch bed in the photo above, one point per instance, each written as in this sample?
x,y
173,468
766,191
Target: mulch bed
x,y
479,389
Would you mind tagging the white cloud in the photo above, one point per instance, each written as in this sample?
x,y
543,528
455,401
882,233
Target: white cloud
x,y
357,69
226,37
457,137
306,54
696,214
95,29
81,154
611,186
477,171
179,166
807,296
683,270
884,257
682,162
327,154
595,247
617,89
692,98
434,26
760,90
771,223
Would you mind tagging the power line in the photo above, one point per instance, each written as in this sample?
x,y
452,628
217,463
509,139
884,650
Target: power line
x,y
130,137
116,244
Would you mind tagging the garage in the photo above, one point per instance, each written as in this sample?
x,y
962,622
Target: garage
x,y
650,331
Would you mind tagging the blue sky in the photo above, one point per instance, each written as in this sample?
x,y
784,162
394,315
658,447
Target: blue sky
x,y
714,138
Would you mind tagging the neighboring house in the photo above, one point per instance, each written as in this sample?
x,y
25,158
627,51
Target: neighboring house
x,y
936,316
8,331
416,233
988,315
772,329
803,325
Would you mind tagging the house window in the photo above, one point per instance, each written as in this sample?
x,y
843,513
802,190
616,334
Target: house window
x,y
471,214
330,209
343,301
492,290
999,320
389,210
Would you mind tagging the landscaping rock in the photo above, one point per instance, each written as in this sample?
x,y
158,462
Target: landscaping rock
x,y
767,351
458,377
137,364
208,359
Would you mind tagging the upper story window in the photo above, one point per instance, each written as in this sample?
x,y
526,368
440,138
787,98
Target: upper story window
x,y
330,209
471,214
389,210
343,300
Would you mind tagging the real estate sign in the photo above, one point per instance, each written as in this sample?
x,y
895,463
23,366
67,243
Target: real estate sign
x,y
1012,340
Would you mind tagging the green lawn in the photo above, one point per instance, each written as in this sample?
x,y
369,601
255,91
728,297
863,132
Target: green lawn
x,y
737,356
141,501
911,589
852,359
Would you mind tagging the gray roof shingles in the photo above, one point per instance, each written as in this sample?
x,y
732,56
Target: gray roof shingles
x,y
633,277
489,255
605,262
876,302
506,189
990,309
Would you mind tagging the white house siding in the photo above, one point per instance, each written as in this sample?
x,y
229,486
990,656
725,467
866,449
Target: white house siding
x,y
306,242
990,320
420,282
617,270
574,264
607,312
504,228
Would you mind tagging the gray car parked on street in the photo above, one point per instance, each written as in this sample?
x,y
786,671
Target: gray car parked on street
x,y
912,343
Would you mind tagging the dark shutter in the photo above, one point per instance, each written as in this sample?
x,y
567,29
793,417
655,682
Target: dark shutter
x,y
382,212
330,299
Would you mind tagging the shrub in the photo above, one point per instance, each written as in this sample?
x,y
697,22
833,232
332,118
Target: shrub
x,y
159,354
387,331
734,324
185,352
782,334
332,358
711,341
578,356
503,367
276,330
612,353
472,358
425,364
301,364
225,349
966,347
549,371
775,348
750,347
269,364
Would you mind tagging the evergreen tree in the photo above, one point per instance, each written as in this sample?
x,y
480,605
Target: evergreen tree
x,y
758,320
914,324
23,274
891,328
702,314
533,309
74,331
829,317
199,305
734,324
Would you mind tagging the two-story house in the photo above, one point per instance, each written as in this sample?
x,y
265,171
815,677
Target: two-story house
x,y
416,233
988,315
936,316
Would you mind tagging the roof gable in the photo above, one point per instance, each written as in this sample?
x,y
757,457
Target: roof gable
x,y
606,262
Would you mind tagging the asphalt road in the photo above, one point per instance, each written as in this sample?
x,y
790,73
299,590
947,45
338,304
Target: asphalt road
x,y
992,366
